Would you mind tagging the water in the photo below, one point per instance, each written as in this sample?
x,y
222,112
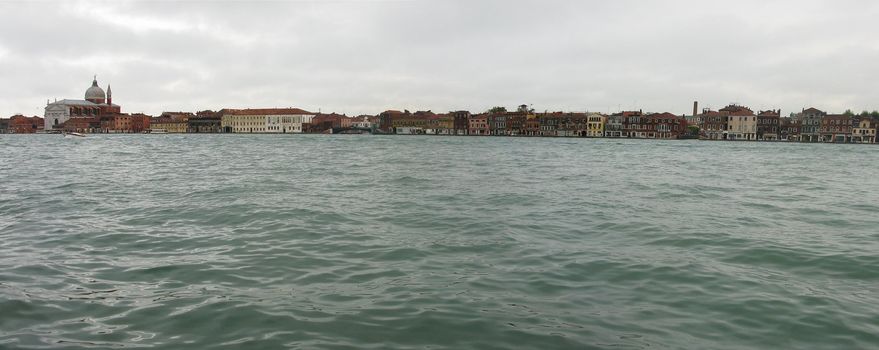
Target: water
x,y
358,242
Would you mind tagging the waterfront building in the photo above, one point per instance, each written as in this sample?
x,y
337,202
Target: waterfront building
x,y
4,126
614,125
362,122
441,124
573,124
479,125
19,124
595,124
768,124
421,122
516,124
127,123
742,123
172,122
532,125
205,122
407,123
385,120
497,123
836,128
810,124
89,111
266,120
548,124
328,123
633,124
865,132
789,130
345,121
461,122
664,126
714,125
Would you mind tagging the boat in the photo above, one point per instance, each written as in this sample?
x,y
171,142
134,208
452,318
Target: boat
x,y
158,131
66,134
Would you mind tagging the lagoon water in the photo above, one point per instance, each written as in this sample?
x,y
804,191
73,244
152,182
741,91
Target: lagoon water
x,y
358,242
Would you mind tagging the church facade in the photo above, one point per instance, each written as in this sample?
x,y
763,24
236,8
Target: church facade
x,y
91,114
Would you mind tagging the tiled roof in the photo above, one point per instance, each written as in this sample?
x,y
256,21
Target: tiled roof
x,y
737,110
269,111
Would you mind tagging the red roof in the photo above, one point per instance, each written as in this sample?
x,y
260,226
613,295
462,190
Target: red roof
x,y
737,110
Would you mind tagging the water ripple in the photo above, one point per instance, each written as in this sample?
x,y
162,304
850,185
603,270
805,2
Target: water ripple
x,y
368,242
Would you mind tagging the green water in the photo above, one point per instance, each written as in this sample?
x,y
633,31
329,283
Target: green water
x,y
359,242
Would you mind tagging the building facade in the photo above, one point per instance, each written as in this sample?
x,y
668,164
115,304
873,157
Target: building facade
x,y
768,125
742,123
714,125
665,126
614,125
595,125
19,124
266,120
836,128
810,124
789,130
479,125
865,132
89,111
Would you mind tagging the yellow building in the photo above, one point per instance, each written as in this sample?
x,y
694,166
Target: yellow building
x,y
595,125
171,122
266,120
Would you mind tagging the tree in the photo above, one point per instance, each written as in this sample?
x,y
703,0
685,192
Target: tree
x,y
875,114
694,130
498,109
848,113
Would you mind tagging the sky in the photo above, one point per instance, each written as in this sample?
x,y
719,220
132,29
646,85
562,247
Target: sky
x,y
364,57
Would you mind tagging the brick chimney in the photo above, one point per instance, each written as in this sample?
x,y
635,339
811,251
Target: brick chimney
x,y
695,107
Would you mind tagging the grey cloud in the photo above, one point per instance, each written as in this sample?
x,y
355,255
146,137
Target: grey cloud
x,y
366,56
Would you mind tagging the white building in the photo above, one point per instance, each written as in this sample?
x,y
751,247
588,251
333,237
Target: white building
x,y
95,104
273,121
742,127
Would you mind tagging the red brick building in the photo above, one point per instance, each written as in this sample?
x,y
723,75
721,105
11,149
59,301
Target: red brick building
x,y
385,120
19,124
714,125
634,124
665,126
327,122
836,128
768,125
460,122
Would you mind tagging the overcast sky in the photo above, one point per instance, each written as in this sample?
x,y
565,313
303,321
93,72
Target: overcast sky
x,y
360,57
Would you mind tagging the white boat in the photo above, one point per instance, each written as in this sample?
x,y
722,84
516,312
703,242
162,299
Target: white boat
x,y
158,131
67,134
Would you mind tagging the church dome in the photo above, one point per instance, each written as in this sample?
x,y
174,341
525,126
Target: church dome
x,y
95,92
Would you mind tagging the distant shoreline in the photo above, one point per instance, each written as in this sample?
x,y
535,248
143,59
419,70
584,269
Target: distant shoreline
x,y
447,135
